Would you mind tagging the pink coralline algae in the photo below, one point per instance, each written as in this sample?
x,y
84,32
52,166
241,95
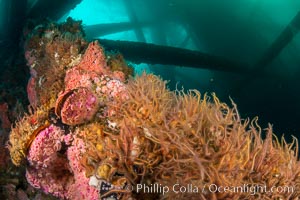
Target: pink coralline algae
x,y
55,171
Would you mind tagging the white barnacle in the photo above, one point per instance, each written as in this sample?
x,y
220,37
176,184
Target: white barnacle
x,y
33,65
49,34
94,181
135,148
112,125
75,60
56,57
41,80
136,141
134,153
147,132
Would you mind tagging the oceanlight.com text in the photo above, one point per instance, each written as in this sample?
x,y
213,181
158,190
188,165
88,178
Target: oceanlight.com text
x,y
252,189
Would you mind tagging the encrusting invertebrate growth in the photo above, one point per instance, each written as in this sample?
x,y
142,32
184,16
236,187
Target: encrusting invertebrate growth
x,y
100,132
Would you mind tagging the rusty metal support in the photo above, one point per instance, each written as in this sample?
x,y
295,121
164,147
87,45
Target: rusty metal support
x,y
52,9
280,43
138,52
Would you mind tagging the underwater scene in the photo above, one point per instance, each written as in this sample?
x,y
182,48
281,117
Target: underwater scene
x,y
149,100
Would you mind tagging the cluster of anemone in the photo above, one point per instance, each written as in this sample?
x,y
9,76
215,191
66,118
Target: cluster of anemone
x,y
182,138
